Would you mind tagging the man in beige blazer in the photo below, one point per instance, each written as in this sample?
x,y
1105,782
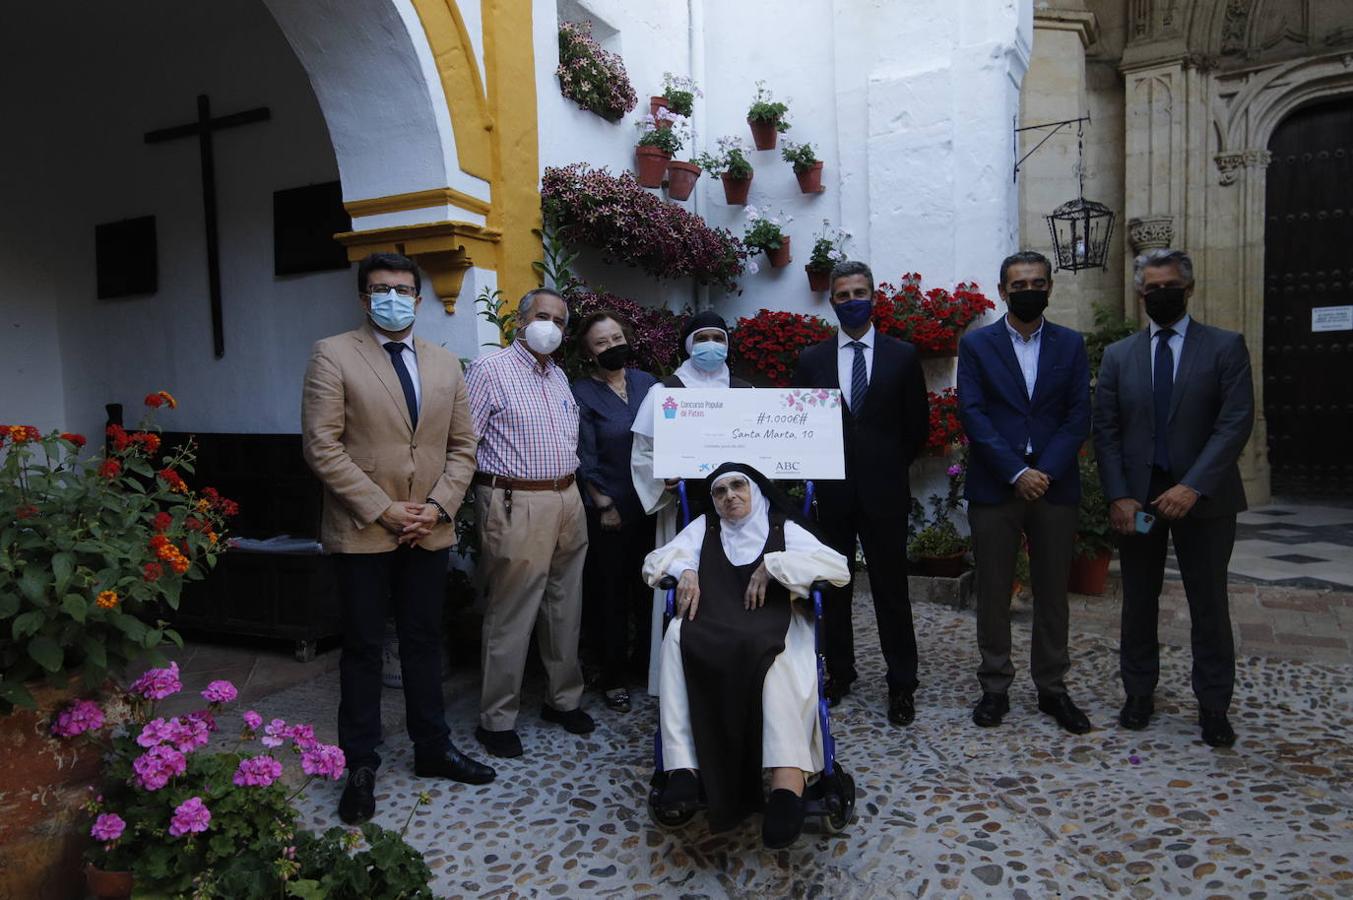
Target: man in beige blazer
x,y
386,427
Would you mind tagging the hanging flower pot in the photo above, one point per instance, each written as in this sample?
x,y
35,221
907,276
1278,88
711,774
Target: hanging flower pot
x,y
655,104
810,179
652,165
735,190
108,885
1089,575
764,134
780,258
681,178
819,280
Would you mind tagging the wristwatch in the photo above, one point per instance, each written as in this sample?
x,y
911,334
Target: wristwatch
x,y
442,515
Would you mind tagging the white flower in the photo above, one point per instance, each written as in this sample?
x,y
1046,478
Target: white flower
x,y
752,267
751,212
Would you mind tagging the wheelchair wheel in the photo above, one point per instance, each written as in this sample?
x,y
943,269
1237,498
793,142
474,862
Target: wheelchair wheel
x,y
669,819
840,804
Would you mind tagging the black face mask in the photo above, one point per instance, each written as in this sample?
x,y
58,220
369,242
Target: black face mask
x,y
1165,305
614,358
1027,306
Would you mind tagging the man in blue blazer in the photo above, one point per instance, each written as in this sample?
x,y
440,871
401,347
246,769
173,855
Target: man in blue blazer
x,y
1024,399
1174,408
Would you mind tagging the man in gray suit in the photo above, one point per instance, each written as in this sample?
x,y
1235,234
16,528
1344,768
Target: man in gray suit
x,y
1174,407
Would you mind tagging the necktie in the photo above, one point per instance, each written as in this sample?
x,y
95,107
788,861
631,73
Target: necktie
x,y
859,379
396,351
1162,388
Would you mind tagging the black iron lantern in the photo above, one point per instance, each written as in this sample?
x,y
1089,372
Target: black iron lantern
x,y
1080,228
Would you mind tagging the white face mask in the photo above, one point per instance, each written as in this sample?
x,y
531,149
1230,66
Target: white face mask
x,y
543,337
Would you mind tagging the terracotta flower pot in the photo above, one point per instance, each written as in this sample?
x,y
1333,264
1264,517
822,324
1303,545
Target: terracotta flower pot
x,y
735,190
780,258
764,134
655,104
819,280
652,165
43,782
950,566
681,178
108,885
1089,575
810,180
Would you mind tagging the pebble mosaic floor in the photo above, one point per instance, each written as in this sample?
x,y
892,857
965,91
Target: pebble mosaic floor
x,y
945,809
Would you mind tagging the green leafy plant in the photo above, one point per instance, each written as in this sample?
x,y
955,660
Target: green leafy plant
x,y
765,230
591,77
730,158
667,131
680,92
1094,536
766,109
495,311
829,248
372,862
801,156
91,548
1110,326
936,536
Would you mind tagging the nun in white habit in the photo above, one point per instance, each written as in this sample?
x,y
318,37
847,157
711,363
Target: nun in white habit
x,y
704,343
738,669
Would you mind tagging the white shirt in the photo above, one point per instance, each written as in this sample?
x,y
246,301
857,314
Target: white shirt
x,y
845,360
1176,345
410,361
1026,354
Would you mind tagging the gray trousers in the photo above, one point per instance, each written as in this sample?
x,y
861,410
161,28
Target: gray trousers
x,y
996,530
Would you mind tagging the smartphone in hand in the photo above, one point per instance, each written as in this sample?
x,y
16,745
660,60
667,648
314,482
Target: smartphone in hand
x,y
1144,521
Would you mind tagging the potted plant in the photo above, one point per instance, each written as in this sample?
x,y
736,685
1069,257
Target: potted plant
x,y
935,544
730,164
932,320
767,118
1094,537
765,232
91,552
807,167
591,77
678,95
660,137
828,250
178,811
767,345
946,431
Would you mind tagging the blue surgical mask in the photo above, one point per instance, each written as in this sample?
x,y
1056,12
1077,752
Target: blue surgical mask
x,y
391,312
708,356
854,313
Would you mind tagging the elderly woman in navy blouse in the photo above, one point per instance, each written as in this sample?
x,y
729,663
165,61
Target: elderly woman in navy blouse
x,y
619,532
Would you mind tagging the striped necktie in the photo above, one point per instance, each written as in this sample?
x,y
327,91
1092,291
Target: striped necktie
x,y
859,378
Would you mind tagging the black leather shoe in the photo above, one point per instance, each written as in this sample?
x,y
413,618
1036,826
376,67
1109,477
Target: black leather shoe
x,y
499,743
783,822
574,721
1067,714
682,792
990,710
835,688
454,765
358,802
1136,712
901,708
1217,730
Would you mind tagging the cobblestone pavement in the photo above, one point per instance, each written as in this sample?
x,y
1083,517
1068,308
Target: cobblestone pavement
x,y
945,809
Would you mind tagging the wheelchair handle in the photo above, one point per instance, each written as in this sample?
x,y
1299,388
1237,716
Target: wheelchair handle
x,y
821,586
666,583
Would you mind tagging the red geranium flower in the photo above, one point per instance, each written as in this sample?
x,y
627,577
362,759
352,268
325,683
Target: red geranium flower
x,y
110,469
76,439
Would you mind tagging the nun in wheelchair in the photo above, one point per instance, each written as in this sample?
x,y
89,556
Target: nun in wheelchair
x,y
739,677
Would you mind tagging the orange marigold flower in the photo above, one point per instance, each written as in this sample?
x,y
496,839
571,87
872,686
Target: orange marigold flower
x,y
76,439
107,600
110,469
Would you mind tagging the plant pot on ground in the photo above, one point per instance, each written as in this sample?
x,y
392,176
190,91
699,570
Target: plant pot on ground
x,y
1089,574
108,885
681,179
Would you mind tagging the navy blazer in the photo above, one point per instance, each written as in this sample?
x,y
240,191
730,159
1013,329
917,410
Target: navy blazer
x,y
1001,419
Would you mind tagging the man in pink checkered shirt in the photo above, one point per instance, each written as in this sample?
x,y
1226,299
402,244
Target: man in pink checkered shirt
x,y
532,529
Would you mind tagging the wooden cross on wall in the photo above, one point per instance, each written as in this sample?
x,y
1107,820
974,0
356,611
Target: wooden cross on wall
x,y
203,129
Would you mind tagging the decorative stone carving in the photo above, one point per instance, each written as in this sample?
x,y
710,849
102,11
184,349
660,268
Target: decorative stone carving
x,y
1230,164
1150,232
1233,25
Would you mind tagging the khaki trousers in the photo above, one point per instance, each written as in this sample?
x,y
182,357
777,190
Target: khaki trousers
x,y
531,569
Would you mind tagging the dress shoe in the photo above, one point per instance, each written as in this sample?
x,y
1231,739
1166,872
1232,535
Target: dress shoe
x,y
783,822
1067,714
901,708
990,709
835,688
1217,730
358,802
453,764
1136,712
499,743
682,792
618,700
574,721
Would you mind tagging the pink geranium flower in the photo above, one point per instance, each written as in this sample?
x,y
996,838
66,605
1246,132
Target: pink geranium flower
x,y
253,721
302,735
258,771
76,719
108,827
191,816
187,734
275,734
323,759
156,684
220,692
154,733
157,765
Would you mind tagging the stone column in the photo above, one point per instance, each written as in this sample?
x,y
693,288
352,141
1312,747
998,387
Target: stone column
x,y
1154,176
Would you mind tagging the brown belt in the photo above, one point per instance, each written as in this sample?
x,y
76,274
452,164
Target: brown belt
x,y
519,484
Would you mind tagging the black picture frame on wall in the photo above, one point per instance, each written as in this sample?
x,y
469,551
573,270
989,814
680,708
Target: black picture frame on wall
x,y
305,220
126,258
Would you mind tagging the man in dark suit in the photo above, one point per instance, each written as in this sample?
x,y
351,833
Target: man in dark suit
x,y
1174,407
1024,399
886,419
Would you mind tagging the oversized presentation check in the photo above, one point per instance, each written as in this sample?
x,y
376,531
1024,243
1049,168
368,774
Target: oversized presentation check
x,y
783,433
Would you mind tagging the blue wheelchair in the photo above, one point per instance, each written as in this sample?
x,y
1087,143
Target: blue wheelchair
x,y
831,796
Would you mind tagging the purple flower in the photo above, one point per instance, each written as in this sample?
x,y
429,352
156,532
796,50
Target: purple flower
x,y
156,684
253,721
275,733
258,771
220,692
302,735
955,470
190,816
204,716
76,719
187,734
108,827
157,765
154,733
323,759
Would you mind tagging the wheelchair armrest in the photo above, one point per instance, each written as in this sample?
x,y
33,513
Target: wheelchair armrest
x,y
667,583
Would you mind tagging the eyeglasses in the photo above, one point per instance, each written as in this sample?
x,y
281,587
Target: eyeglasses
x,y
402,290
